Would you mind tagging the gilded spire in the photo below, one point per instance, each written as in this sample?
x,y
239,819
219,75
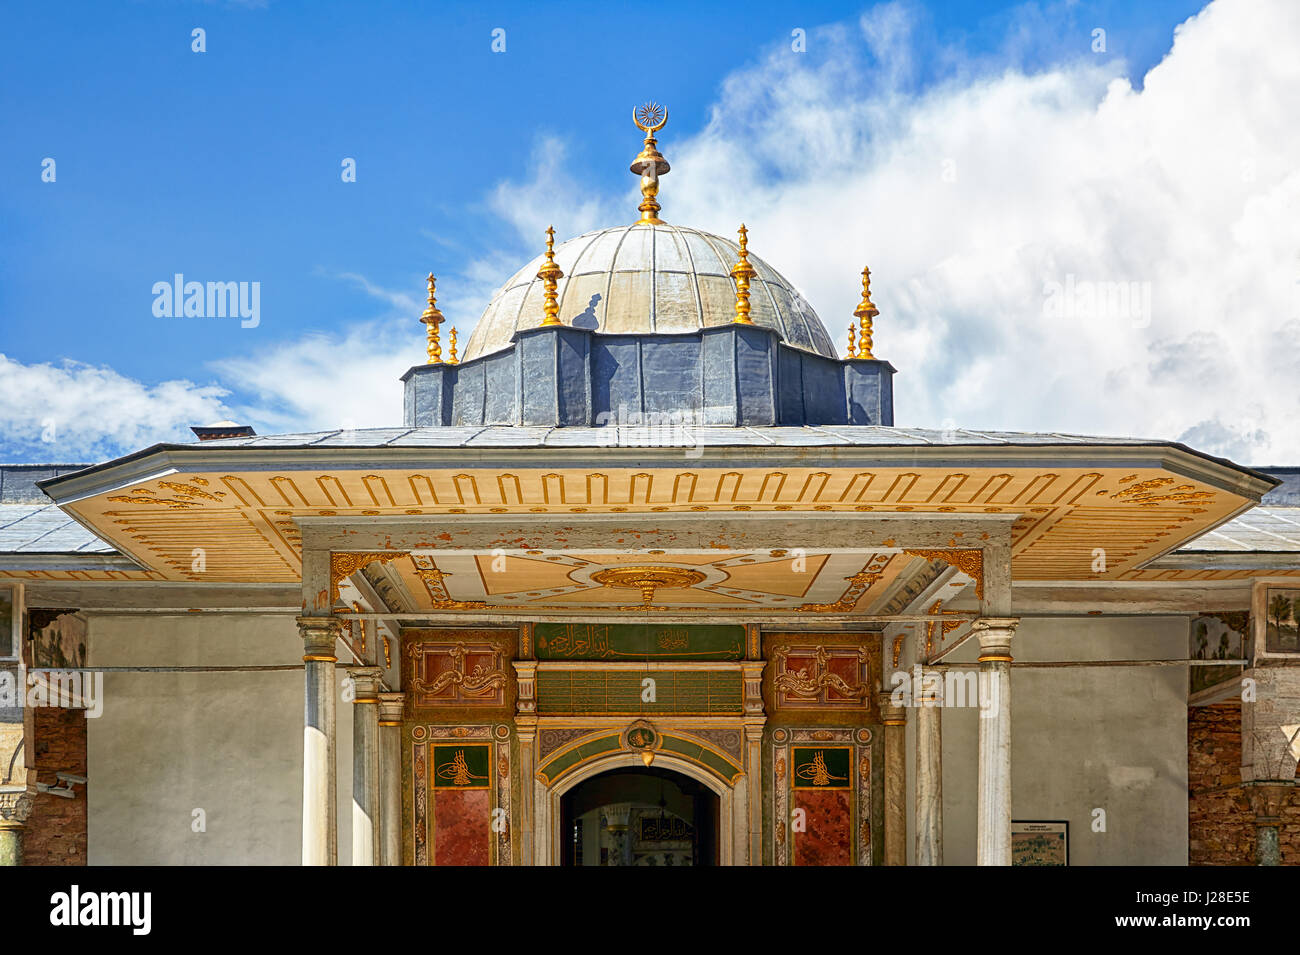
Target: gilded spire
x,y
649,163
853,345
742,272
432,318
550,274
865,312
453,360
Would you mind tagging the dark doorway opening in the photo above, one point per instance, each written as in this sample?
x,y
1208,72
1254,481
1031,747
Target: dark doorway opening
x,y
648,817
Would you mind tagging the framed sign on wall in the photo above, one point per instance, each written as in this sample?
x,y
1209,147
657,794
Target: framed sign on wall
x,y
1036,842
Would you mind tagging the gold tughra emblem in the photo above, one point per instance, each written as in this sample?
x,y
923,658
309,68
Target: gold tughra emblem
x,y
458,771
816,771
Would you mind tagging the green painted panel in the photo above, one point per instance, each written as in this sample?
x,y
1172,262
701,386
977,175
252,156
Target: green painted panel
x,y
584,692
461,766
637,641
822,767
595,747
699,754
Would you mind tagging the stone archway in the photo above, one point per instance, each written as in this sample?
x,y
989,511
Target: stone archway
x,y
732,802
639,816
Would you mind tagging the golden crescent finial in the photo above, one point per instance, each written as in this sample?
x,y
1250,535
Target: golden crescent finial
x,y
650,117
650,163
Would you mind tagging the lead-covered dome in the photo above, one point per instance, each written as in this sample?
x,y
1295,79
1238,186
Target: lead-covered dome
x,y
648,279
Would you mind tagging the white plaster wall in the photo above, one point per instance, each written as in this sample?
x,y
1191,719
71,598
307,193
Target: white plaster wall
x,y
229,743
1113,738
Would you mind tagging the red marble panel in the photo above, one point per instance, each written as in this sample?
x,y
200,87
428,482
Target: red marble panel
x,y
827,838
462,826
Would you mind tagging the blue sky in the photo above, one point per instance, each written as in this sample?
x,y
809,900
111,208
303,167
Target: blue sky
x,y
225,165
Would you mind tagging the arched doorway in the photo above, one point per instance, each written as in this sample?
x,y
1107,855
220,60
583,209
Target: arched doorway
x,y
648,816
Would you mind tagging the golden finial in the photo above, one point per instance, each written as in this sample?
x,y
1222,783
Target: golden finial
x,y
742,272
865,312
453,360
853,347
432,318
550,274
649,163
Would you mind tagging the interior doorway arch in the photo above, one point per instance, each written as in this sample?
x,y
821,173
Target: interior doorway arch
x,y
639,816
731,813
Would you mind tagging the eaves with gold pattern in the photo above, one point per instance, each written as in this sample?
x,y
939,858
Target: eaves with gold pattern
x,y
241,503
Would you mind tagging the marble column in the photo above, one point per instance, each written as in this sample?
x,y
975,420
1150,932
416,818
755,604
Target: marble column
x,y
1268,798
320,831
15,806
928,702
894,719
1270,747
390,778
531,816
752,852
993,826
365,764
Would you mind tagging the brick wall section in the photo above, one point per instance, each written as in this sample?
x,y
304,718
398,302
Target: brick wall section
x,y
56,829
1220,823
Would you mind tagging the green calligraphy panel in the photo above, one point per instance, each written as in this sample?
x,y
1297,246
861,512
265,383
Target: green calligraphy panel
x,y
588,692
637,641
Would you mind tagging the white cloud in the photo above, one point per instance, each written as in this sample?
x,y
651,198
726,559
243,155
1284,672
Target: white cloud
x,y
402,301
548,197
325,382
1188,188
977,200
349,379
75,413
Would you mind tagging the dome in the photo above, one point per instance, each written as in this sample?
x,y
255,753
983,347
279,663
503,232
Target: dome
x,y
648,279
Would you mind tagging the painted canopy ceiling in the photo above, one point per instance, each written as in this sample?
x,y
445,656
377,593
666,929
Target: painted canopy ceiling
x,y
804,582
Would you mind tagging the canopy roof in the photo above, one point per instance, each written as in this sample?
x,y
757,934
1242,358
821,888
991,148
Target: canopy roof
x,y
244,502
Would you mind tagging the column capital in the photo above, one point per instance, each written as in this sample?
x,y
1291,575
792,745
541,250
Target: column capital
x,y
526,728
751,672
368,681
890,714
15,807
318,636
1268,799
525,687
994,634
390,708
